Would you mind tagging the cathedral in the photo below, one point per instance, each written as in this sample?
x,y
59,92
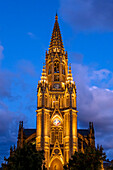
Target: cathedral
x,y
56,116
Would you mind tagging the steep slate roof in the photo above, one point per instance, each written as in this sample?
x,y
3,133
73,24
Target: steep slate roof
x,y
83,132
29,132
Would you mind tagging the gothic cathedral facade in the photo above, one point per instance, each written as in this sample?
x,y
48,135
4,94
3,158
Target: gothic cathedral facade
x,y
56,106
56,116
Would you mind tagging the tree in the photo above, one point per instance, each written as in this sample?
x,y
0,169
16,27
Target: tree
x,y
91,159
26,158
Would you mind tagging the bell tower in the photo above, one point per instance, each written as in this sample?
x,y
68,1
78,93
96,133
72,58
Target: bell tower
x,y
56,106
56,58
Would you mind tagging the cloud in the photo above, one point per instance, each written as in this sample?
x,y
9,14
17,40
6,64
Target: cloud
x,y
95,103
76,57
88,14
9,121
103,78
26,67
31,35
6,79
1,52
17,100
101,74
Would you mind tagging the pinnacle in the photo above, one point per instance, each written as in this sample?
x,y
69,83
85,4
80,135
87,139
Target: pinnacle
x,y
43,77
70,78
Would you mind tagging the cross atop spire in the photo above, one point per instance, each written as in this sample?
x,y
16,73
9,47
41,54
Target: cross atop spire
x,y
56,39
56,17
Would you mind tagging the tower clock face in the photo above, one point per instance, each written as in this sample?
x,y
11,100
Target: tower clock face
x,y
56,86
56,122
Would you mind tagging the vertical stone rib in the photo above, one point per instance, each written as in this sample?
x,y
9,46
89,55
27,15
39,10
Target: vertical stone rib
x,y
42,125
71,126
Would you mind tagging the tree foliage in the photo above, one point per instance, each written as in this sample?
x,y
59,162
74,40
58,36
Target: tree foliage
x,y
26,158
91,159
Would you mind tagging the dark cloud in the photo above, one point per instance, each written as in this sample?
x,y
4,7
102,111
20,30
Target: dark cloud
x,y
6,118
16,103
88,14
8,129
6,79
95,103
8,122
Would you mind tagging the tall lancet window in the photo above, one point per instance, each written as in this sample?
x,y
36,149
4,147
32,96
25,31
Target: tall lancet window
x,y
49,70
63,69
56,67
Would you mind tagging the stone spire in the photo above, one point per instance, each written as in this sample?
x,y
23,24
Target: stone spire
x,y
56,39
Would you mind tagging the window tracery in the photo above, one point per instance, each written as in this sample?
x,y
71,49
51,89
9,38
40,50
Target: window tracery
x,y
56,67
63,69
56,78
67,101
56,134
49,71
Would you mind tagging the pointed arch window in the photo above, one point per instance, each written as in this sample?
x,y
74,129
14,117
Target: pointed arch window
x,y
73,101
46,101
52,137
60,137
63,69
56,134
49,70
67,101
56,78
56,67
40,101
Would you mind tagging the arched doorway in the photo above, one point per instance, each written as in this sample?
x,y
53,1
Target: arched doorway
x,y
56,165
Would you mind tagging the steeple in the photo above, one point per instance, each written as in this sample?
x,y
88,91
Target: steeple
x,y
56,106
56,57
56,39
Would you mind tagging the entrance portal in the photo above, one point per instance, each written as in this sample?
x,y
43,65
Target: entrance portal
x,y
56,165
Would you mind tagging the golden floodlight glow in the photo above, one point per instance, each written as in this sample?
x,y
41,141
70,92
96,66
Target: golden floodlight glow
x,y
56,116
